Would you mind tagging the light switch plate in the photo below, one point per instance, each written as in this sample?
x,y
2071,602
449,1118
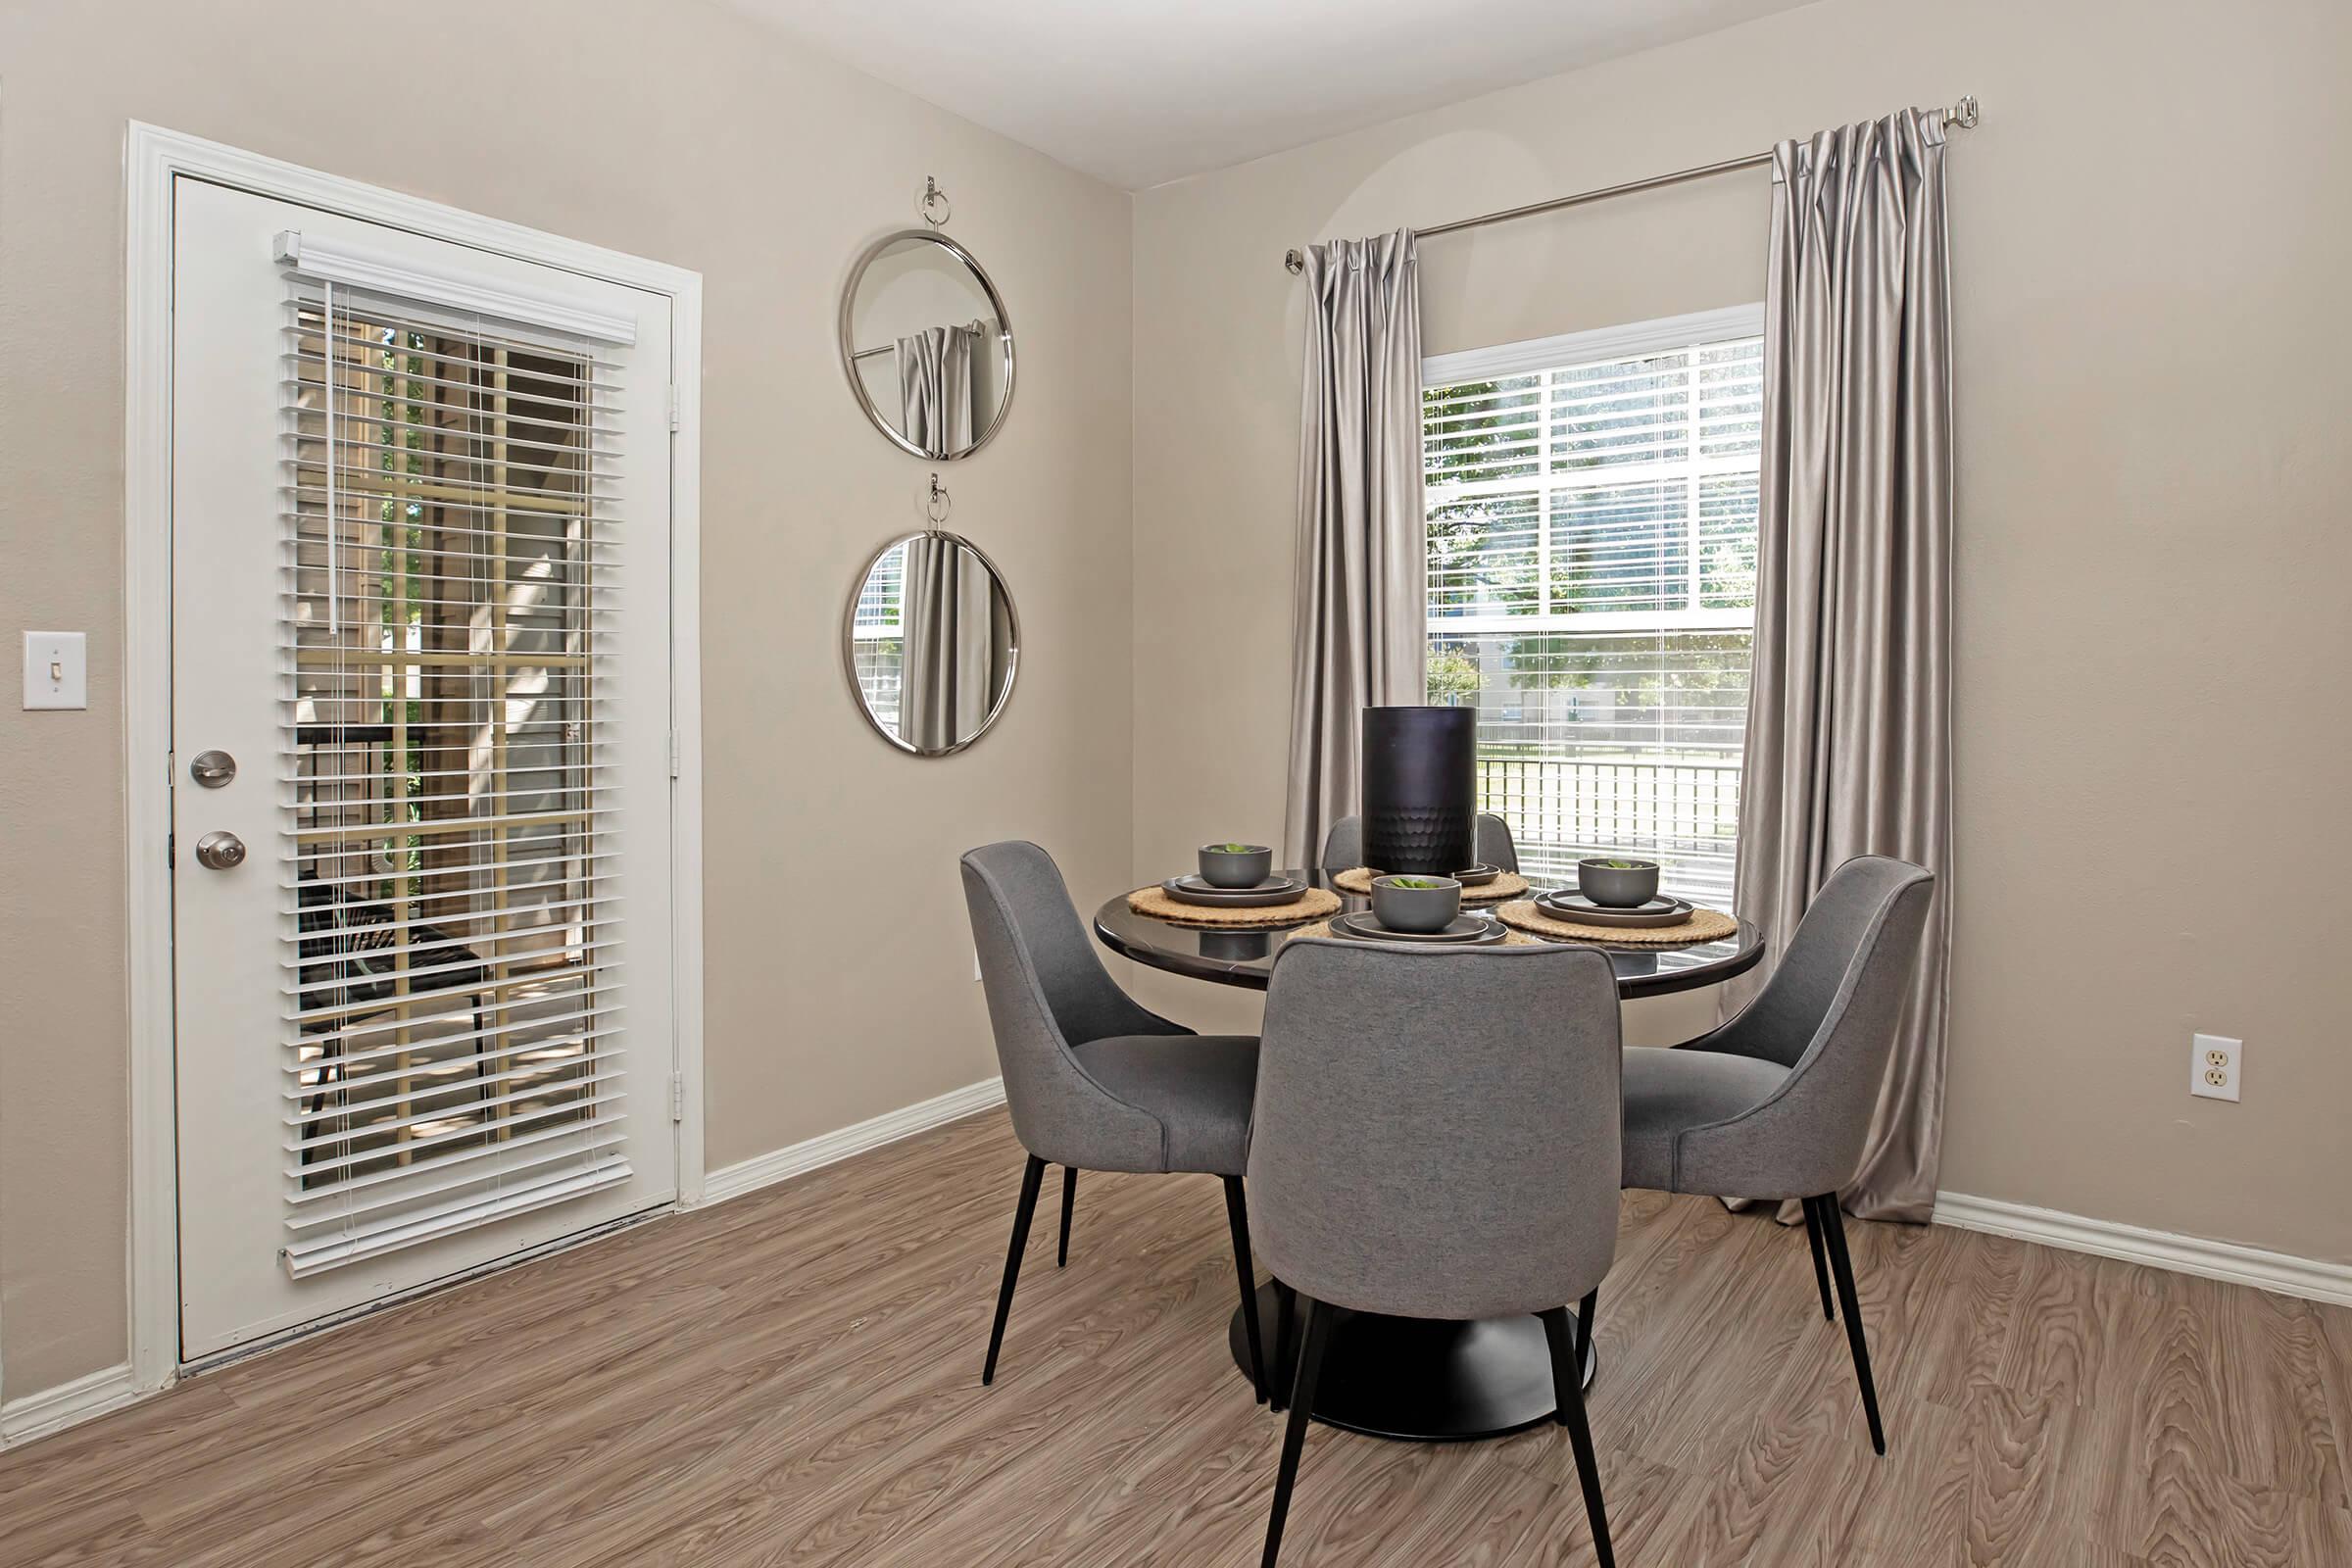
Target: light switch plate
x,y
57,669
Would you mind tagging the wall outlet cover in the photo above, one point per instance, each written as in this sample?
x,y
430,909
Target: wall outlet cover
x,y
2214,1062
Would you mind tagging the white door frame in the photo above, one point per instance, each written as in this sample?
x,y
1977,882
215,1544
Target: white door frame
x,y
154,158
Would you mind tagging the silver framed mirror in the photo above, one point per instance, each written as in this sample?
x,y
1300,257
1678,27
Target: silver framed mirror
x,y
927,344
931,643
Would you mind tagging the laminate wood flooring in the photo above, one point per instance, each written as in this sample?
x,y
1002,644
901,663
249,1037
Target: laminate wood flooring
x,y
793,1378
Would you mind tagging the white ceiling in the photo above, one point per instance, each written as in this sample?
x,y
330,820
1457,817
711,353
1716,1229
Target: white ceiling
x,y
1139,92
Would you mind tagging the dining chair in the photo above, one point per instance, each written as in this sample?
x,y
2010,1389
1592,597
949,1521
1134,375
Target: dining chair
x,y
1344,844
1777,1102
1094,1081
1436,1136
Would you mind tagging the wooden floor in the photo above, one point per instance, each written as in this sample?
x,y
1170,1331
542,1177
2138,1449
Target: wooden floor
x,y
794,1377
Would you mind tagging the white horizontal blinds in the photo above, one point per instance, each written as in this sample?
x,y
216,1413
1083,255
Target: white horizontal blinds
x,y
453,961
878,638
1591,580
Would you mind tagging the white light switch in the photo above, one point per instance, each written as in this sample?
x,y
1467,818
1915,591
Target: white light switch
x,y
57,670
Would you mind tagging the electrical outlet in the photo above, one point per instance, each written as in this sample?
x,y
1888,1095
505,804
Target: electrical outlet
x,y
2213,1066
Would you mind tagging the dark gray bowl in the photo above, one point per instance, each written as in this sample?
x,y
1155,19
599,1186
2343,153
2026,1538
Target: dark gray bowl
x,y
1247,869
1402,909
1615,888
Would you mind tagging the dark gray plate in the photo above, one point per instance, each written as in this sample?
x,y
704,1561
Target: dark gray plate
x,y
1466,931
1272,891
1478,877
1657,912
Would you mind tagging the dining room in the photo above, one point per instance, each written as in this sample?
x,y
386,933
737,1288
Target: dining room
x,y
989,784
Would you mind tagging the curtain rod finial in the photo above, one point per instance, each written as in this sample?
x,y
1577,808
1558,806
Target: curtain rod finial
x,y
1295,261
1963,113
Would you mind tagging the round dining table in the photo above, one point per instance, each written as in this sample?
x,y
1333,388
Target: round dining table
x,y
1420,1380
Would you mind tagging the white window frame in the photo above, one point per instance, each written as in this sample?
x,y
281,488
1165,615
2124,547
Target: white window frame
x,y
154,160
1533,355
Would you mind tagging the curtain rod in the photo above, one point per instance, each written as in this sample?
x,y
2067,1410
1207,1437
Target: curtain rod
x,y
979,328
1963,113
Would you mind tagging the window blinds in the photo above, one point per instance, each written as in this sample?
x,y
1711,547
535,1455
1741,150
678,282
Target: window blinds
x,y
1591,574
452,951
878,636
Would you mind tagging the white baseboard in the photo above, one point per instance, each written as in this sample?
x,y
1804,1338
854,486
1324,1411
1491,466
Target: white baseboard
x,y
2308,1278
36,1415
765,1170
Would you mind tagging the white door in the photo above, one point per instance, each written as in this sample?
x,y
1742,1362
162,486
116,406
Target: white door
x,y
420,545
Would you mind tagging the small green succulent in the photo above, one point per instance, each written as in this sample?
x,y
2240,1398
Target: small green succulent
x,y
1416,883
1233,849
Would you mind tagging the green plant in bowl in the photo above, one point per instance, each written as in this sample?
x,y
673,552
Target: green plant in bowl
x,y
1417,883
1235,866
1617,881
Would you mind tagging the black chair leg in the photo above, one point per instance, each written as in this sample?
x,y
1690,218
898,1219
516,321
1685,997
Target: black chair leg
x,y
1294,1431
1237,1215
1069,1201
1820,1266
1833,1222
1586,1311
1567,1391
1033,1176
1286,1308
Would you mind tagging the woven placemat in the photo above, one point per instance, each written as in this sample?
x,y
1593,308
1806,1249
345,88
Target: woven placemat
x,y
1704,925
1509,885
1313,904
1322,928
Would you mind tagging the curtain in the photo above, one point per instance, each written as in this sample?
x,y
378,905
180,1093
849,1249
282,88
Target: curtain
x,y
955,649
935,388
1850,711
1358,629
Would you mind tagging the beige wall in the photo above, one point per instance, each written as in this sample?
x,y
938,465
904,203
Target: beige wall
x,y
2151,229
2152,235
676,131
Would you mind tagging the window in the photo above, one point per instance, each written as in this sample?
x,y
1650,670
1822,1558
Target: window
x,y
455,943
877,635
1591,507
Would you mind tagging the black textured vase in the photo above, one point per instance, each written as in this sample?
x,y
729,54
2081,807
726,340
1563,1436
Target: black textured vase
x,y
1420,789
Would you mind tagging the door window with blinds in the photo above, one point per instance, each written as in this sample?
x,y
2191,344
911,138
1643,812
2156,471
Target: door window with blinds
x,y
450,944
1591,507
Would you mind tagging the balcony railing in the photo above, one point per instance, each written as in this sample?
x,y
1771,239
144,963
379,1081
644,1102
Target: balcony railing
x,y
1685,815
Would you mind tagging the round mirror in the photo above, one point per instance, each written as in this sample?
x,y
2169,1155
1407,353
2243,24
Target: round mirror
x,y
931,643
926,344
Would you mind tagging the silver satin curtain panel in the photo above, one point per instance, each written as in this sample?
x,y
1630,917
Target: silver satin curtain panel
x,y
935,388
1850,714
1357,631
956,646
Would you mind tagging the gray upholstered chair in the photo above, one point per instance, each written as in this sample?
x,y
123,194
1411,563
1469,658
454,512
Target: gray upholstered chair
x,y
1344,844
1094,1081
1437,1136
1777,1102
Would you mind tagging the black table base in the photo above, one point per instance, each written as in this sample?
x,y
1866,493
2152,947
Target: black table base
x,y
1419,1380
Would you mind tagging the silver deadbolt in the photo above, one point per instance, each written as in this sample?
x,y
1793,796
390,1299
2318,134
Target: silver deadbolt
x,y
219,852
212,769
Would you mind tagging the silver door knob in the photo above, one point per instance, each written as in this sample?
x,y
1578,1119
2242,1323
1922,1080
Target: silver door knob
x,y
219,852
